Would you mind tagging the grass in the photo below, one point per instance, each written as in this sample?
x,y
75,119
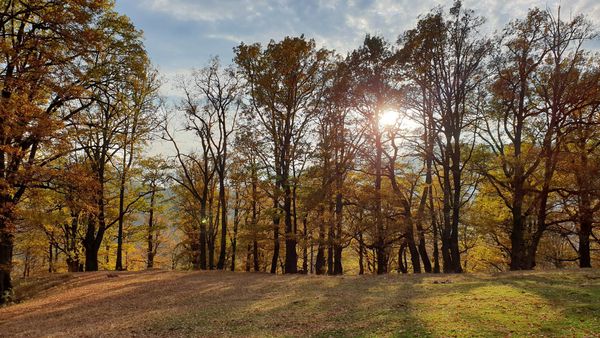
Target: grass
x,y
26,288
164,303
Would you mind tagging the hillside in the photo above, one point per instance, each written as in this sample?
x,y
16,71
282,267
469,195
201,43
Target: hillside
x,y
166,303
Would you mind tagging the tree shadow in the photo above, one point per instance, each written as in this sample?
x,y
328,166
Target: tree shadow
x,y
160,303
294,306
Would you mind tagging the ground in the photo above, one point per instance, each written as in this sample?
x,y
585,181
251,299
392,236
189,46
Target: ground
x,y
209,304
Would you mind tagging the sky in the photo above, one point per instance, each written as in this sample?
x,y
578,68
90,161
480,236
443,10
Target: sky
x,y
184,34
180,35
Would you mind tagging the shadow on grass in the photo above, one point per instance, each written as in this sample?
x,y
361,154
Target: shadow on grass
x,y
247,304
554,304
306,306
575,294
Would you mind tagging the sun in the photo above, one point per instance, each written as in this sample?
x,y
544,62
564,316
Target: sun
x,y
389,118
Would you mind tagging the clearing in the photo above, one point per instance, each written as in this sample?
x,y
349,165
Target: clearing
x,y
171,303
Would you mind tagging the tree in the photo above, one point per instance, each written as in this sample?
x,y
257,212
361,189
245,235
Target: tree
x,y
155,178
372,94
220,90
285,87
196,172
446,57
99,129
247,168
537,88
582,165
47,68
140,121
338,144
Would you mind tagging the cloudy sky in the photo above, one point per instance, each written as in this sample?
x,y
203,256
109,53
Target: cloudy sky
x,y
184,34
181,34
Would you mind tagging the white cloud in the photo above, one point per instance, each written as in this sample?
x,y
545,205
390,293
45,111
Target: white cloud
x,y
209,10
183,34
213,27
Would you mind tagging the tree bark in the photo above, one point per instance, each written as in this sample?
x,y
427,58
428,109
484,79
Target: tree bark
x,y
248,257
255,255
119,261
276,219
320,260
291,257
6,252
305,246
150,242
337,238
236,215
361,254
223,204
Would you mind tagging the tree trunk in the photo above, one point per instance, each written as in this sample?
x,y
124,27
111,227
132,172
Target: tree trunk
x,y
91,259
213,230
382,259
402,267
223,204
305,247
150,246
93,237
119,262
203,239
517,242
436,252
585,231
330,241
72,265
447,223
211,253
412,247
380,252
291,257
255,255
248,257
275,238
236,216
584,180
422,247
337,233
337,260
361,253
456,204
312,256
6,252
320,260
93,241
50,260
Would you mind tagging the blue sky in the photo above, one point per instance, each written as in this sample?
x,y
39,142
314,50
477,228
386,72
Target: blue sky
x,y
183,34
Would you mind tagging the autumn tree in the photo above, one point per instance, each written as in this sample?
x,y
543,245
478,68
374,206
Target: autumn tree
x,y
539,84
140,121
196,170
581,164
249,171
447,56
99,130
339,136
372,94
154,178
47,67
285,86
217,89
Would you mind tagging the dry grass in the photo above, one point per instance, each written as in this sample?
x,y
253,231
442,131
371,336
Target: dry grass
x,y
167,303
